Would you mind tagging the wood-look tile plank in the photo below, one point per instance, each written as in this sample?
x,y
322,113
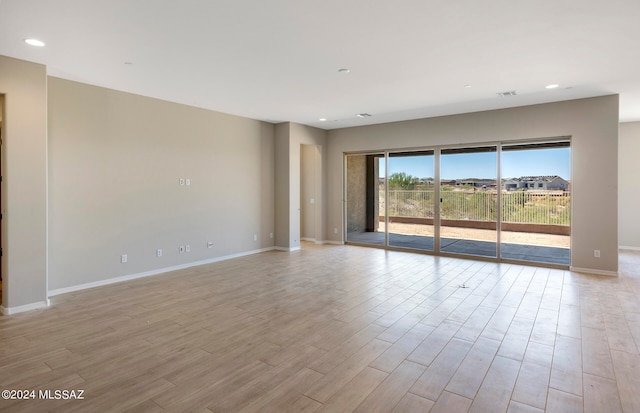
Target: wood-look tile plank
x,y
514,344
499,324
515,407
286,393
244,394
132,392
600,395
433,344
496,389
301,404
334,380
353,393
569,321
411,403
451,402
618,334
387,395
566,371
401,349
147,406
561,402
532,385
440,372
530,304
596,356
403,325
200,391
475,324
627,372
347,348
540,354
469,376
545,326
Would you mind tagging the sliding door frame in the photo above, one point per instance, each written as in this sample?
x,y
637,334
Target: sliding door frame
x,y
437,153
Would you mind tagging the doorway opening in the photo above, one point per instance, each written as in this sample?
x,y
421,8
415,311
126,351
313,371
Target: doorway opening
x,y
365,213
311,193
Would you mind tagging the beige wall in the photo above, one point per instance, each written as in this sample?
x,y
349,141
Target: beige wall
x,y
629,185
309,156
282,175
592,124
289,139
115,161
24,186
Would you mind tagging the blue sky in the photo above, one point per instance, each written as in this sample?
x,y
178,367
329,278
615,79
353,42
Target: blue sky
x,y
555,161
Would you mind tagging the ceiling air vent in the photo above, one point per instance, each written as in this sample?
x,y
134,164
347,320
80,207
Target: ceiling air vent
x,y
507,93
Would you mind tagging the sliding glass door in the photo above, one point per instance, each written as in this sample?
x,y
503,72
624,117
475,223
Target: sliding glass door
x,y
507,201
468,201
536,202
365,210
410,199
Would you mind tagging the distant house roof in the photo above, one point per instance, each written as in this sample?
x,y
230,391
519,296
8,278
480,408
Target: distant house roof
x,y
547,178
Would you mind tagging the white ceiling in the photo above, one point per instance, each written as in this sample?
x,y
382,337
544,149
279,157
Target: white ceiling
x,y
278,60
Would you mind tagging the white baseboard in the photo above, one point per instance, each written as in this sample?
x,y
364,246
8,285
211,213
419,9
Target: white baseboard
x,y
130,277
22,308
592,271
334,242
286,249
623,247
320,242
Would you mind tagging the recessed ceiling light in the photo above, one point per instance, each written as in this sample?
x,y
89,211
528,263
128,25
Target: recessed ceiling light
x,y
34,42
553,86
363,115
128,63
344,70
322,119
468,86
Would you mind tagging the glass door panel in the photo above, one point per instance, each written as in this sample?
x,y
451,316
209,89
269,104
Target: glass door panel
x,y
364,209
411,197
468,201
536,202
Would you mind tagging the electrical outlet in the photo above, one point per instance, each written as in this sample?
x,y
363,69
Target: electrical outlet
x,y
271,235
255,237
209,244
158,252
181,181
123,258
187,248
596,253
181,249
188,181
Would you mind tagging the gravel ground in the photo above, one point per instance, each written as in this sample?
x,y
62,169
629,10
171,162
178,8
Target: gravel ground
x,y
525,238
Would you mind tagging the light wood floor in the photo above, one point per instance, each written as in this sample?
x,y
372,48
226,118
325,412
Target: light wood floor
x,y
336,329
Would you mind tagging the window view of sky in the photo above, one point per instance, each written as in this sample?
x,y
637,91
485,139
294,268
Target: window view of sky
x,y
534,162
